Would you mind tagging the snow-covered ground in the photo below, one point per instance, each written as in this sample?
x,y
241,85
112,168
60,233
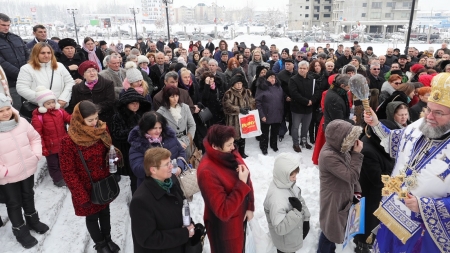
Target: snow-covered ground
x,y
68,232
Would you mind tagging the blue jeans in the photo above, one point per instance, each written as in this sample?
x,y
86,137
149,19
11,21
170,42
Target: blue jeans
x,y
325,245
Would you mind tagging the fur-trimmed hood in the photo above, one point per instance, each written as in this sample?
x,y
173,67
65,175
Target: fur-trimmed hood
x,y
341,135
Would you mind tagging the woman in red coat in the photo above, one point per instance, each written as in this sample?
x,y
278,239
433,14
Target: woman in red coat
x,y
89,135
227,190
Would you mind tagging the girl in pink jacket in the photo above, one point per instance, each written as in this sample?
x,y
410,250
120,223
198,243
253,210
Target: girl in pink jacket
x,y
20,152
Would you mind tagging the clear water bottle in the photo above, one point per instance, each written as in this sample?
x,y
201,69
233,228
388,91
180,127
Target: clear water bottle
x,y
186,214
174,166
112,159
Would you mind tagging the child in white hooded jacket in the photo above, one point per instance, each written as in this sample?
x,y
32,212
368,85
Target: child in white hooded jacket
x,y
285,209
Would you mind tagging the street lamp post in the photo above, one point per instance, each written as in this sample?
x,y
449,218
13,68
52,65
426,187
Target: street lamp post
x,y
134,11
73,12
303,32
167,2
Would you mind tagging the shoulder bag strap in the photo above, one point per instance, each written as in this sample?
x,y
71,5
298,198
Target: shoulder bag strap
x,y
84,164
51,81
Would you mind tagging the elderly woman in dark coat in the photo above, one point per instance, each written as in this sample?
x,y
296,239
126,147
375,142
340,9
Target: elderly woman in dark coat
x,y
156,208
153,131
340,163
227,189
96,89
70,58
130,108
235,101
270,104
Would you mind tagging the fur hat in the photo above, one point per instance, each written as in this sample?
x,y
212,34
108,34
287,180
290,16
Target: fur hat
x,y
142,58
270,73
259,69
134,75
285,50
236,79
87,65
43,95
67,42
5,101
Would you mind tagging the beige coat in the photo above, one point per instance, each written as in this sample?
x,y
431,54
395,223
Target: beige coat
x,y
339,173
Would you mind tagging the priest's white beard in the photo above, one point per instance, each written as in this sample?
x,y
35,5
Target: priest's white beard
x,y
433,132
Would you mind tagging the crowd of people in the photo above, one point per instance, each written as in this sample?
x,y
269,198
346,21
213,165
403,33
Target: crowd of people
x,y
145,99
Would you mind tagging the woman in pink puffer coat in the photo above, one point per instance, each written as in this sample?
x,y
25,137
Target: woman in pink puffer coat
x,y
20,152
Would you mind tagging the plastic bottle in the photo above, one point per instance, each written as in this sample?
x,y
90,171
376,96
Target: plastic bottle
x,y
174,166
112,159
186,214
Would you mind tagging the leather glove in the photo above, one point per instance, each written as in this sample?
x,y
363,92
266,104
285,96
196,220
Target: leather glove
x,y
355,200
295,202
305,229
243,111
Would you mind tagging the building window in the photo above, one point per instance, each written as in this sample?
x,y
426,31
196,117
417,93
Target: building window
x,y
301,7
375,15
301,15
376,5
388,15
307,7
326,15
390,4
407,4
405,15
364,4
306,15
363,15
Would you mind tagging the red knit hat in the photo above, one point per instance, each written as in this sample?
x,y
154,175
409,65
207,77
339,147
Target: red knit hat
x,y
87,65
416,67
331,79
426,80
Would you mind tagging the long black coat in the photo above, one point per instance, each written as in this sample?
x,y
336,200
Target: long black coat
x,y
376,162
13,55
156,218
375,83
156,75
77,59
213,100
102,95
342,61
302,90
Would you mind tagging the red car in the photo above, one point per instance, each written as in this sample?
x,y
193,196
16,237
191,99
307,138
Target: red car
x,y
354,36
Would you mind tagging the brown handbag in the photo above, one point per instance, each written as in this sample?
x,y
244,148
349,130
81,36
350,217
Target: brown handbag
x,y
196,156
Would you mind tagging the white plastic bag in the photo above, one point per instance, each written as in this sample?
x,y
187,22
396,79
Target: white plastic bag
x,y
250,125
249,242
265,244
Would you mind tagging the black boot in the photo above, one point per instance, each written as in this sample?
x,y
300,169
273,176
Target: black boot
x,y
102,247
241,147
34,223
363,248
305,144
24,237
112,245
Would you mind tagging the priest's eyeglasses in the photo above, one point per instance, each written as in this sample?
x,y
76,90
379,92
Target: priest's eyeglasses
x,y
436,114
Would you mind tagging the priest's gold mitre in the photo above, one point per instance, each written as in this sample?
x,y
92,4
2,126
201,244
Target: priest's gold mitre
x,y
440,89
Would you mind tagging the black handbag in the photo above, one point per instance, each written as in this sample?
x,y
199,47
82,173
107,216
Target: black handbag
x,y
195,243
27,108
103,191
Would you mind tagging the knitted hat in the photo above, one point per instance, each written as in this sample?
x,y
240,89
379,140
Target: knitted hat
x,y
142,58
270,73
134,75
67,42
289,60
43,95
285,50
416,67
5,101
357,58
130,65
370,48
87,65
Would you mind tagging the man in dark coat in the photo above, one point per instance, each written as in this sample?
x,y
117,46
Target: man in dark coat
x,y
40,35
344,60
376,162
284,76
210,45
336,101
157,71
390,57
171,79
160,45
304,93
156,208
70,58
375,79
13,55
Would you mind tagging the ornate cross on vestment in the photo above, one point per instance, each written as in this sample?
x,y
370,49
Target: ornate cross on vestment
x,y
408,138
444,174
393,184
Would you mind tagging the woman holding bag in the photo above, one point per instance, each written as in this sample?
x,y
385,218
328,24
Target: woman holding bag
x,y
235,101
89,135
43,70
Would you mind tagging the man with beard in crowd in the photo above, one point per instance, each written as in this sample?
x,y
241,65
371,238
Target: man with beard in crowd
x,y
403,62
422,152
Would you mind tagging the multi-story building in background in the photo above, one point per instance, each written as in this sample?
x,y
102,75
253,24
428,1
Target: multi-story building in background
x,y
152,10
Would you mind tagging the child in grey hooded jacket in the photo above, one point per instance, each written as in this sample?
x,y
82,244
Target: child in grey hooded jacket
x,y
285,208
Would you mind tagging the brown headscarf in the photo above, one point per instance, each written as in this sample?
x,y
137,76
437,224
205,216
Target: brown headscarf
x,y
86,136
